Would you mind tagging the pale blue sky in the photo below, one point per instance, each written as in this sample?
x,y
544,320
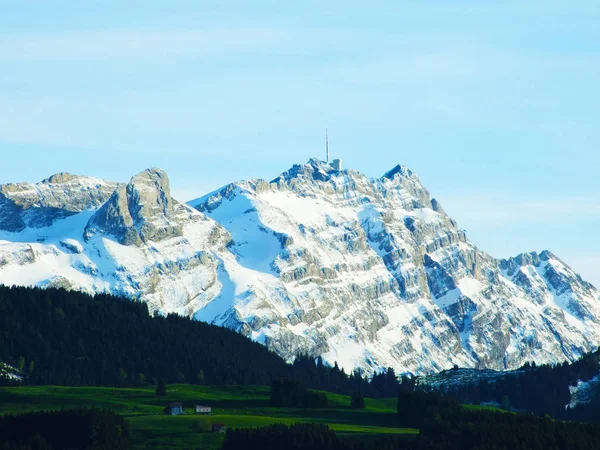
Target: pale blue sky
x,y
495,104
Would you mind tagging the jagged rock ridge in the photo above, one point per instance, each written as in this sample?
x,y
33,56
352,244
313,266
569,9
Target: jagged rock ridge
x,y
39,205
366,272
140,243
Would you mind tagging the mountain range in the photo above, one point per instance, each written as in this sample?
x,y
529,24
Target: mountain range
x,y
366,272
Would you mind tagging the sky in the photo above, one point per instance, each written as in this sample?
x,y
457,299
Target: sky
x,y
495,105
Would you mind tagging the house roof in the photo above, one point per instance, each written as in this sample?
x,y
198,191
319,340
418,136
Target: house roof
x,y
175,405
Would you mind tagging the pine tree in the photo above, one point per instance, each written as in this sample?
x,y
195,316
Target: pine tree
x,y
357,401
161,388
505,403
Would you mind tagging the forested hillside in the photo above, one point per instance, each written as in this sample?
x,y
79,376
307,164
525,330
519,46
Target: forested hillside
x,y
68,338
538,389
68,428
60,337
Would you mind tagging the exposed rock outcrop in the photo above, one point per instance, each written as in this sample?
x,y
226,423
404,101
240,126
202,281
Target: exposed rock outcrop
x,y
141,211
368,272
39,205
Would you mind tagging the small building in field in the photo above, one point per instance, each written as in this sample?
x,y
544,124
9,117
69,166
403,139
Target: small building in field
x,y
204,410
174,409
218,428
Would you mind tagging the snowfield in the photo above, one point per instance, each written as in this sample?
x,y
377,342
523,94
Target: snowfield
x,y
368,272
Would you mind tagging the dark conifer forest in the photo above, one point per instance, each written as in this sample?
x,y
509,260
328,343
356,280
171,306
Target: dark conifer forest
x,y
68,338
59,337
293,394
81,429
72,339
538,389
444,425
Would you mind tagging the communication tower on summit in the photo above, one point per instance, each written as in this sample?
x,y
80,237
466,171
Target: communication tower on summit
x,y
336,163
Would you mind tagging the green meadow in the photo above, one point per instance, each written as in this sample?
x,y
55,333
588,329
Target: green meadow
x,y
234,406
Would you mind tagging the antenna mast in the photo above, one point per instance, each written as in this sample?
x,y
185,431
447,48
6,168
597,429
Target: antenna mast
x,y
327,145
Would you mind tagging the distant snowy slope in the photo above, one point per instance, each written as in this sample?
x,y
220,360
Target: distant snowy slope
x,y
372,273
366,272
168,261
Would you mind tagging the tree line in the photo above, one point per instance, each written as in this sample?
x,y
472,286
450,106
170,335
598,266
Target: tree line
x,y
543,389
444,425
294,394
303,436
74,428
318,375
54,336
67,338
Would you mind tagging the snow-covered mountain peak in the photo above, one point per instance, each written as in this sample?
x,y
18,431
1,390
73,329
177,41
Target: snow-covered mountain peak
x,y
368,272
526,259
381,248
527,269
60,178
138,242
314,169
404,179
398,170
37,205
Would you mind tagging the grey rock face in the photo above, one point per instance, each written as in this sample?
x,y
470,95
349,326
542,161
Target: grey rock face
x,y
114,218
10,215
368,272
39,205
374,273
141,211
139,242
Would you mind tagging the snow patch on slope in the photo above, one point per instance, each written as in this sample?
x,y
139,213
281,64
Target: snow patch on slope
x,y
368,272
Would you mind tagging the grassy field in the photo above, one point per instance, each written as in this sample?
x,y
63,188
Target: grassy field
x,y
235,406
487,408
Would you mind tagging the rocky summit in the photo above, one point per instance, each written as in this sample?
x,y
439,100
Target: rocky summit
x,y
140,211
37,205
368,272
